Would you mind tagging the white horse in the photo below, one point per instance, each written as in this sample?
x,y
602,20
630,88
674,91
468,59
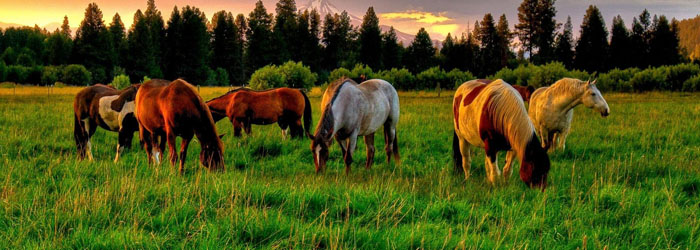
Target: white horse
x,y
493,116
552,108
350,110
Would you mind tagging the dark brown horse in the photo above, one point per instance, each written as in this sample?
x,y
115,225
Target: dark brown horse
x,y
525,91
166,110
244,107
107,107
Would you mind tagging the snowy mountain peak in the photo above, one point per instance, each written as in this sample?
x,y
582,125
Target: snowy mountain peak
x,y
325,7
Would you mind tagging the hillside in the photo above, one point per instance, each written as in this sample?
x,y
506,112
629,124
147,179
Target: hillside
x,y
690,36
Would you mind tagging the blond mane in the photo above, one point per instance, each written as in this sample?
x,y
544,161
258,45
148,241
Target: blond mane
x,y
509,115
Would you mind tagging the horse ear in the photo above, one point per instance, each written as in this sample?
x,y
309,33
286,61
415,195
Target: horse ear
x,y
594,81
221,136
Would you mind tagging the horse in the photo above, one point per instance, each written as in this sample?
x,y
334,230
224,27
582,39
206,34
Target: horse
x,y
493,116
165,110
350,110
525,91
106,107
244,107
552,108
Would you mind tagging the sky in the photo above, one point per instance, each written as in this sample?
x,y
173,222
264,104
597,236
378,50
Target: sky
x,y
439,17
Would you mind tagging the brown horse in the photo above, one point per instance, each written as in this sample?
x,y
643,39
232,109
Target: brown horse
x,y
524,91
166,110
107,107
244,107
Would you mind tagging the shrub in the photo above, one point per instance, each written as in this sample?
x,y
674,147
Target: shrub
x,y
222,77
25,60
362,70
296,75
547,74
648,79
121,81
400,78
458,77
616,80
266,77
339,73
3,71
145,79
17,74
432,78
75,74
51,74
99,75
677,75
692,84
34,75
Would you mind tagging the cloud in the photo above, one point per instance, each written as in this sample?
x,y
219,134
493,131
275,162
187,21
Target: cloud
x,y
444,29
418,16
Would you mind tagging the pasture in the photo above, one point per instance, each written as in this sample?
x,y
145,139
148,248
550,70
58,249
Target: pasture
x,y
631,180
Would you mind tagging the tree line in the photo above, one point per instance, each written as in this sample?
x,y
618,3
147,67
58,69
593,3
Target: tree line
x,y
228,49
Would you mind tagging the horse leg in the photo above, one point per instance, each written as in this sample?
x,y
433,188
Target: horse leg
x,y
491,165
507,170
122,142
237,126
352,142
171,147
296,129
465,150
283,126
145,138
369,142
247,126
90,128
183,151
562,138
343,146
544,136
390,144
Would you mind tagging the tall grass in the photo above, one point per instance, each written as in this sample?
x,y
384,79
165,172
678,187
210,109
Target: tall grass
x,y
630,180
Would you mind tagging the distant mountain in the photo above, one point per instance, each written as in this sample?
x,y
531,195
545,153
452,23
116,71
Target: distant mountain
x,y
325,7
8,25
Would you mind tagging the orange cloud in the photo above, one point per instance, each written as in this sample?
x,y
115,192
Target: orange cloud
x,y
444,29
418,16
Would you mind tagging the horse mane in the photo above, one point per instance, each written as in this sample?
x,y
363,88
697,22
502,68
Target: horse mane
x,y
509,115
327,117
565,86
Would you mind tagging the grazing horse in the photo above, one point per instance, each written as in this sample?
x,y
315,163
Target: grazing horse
x,y
244,107
109,108
493,116
166,110
350,110
552,108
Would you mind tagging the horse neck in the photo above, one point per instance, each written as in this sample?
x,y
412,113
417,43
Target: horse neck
x,y
219,104
206,132
566,96
326,125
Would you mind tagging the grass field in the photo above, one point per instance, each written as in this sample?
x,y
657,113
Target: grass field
x,y
630,180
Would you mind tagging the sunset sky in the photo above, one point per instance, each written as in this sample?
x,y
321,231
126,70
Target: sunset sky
x,y
438,17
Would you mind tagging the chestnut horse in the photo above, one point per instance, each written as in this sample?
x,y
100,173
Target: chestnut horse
x,y
524,91
350,110
244,107
493,116
166,110
106,107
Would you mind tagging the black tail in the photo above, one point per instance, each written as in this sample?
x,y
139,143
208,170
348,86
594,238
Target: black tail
x,y
395,147
307,114
457,154
80,137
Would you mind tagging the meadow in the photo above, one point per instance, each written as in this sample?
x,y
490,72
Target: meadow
x,y
631,180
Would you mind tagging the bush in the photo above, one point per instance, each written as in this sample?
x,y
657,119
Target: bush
x,y
25,60
3,71
145,79
692,84
17,74
296,75
266,77
121,81
547,74
648,79
432,78
51,74
339,73
616,80
677,75
458,77
34,75
400,78
362,70
75,74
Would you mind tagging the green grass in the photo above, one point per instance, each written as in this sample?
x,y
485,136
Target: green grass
x,y
631,180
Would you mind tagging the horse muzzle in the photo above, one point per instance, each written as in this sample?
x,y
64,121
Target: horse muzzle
x,y
605,113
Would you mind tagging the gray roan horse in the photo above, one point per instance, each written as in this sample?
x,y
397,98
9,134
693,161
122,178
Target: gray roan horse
x,y
349,110
109,108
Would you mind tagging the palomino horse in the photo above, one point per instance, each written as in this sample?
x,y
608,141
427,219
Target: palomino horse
x,y
552,108
350,110
493,116
166,110
244,107
104,106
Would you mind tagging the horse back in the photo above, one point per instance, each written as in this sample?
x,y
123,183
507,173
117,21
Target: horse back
x,y
87,99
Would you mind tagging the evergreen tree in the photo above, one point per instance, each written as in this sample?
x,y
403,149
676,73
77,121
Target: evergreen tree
x,y
528,24
370,40
242,26
664,43
536,28
391,50
259,50
337,37
65,27
471,54
172,56
141,60
93,46
155,23
421,52
490,51
505,37
308,36
118,33
287,45
449,59
563,50
195,45
592,46
639,45
225,45
620,45
58,48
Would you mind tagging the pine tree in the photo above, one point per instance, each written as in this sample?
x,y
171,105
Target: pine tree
x,y
337,38
536,28
391,50
225,44
563,50
490,41
664,44
286,45
195,45
449,59
312,42
58,48
93,47
421,52
65,27
528,25
259,51
118,33
620,45
592,46
172,55
505,37
141,60
155,23
370,40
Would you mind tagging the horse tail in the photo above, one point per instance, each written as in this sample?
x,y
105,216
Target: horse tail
x,y
456,154
80,137
395,147
307,114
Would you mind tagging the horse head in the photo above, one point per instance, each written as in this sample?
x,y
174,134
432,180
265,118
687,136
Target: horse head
x,y
212,156
535,164
319,148
592,98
